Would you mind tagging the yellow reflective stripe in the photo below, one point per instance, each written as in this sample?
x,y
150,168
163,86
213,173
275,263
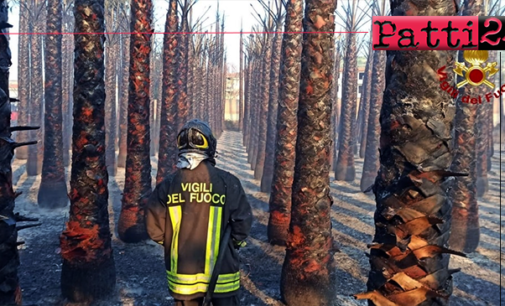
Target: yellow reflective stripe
x,y
213,238
175,217
192,289
201,277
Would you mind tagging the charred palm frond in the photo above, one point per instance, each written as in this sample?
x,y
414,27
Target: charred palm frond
x,y
286,125
307,271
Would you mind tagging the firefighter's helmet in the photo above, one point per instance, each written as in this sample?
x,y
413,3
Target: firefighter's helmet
x,y
196,136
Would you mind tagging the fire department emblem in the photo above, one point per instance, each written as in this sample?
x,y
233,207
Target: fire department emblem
x,y
476,75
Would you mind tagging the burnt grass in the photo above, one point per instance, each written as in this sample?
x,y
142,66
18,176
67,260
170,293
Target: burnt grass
x,y
140,271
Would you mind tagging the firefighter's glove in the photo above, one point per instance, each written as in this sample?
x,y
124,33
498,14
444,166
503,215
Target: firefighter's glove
x,y
239,244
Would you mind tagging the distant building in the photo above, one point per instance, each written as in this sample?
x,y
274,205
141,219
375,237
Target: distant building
x,y
231,109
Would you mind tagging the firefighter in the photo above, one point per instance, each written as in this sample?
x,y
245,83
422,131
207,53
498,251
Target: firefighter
x,y
187,213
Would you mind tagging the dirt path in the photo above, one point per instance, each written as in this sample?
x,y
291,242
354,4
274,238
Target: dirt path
x,y
140,272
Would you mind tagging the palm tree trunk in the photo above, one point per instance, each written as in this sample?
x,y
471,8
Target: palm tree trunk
x,y
261,73
482,150
10,294
65,91
345,170
286,125
307,271
110,96
123,102
53,186
181,94
409,261
263,115
137,186
465,230
273,101
24,83
167,155
69,67
88,269
336,105
36,152
365,101
371,163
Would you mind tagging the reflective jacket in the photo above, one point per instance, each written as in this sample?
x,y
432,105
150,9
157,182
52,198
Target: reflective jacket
x,y
187,214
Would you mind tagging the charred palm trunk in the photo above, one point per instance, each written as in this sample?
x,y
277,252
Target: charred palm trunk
x,y
365,101
465,217
110,97
88,269
181,94
69,67
345,170
260,75
307,271
36,152
137,186
10,293
53,187
247,103
123,102
409,261
286,126
336,104
24,83
273,101
371,163
167,155
191,79
65,91
482,144
263,118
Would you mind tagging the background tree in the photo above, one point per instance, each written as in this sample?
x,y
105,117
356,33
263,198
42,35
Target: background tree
x,y
273,98
67,76
306,273
53,186
371,162
36,153
137,186
88,269
409,260
286,127
24,83
123,85
345,170
465,230
365,99
167,154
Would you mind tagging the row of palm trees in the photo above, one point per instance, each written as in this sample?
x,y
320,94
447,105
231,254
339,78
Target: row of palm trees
x,y
408,154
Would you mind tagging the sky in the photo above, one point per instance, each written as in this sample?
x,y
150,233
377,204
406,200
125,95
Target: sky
x,y
236,13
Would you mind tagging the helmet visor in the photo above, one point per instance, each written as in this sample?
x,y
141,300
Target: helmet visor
x,y
192,138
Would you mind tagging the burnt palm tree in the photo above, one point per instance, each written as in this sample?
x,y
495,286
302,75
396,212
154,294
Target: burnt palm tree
x,y
10,293
24,83
67,73
273,98
465,218
123,88
137,186
111,41
36,153
345,170
167,154
365,101
53,186
335,103
241,82
409,259
307,270
181,93
259,161
286,125
88,269
371,162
